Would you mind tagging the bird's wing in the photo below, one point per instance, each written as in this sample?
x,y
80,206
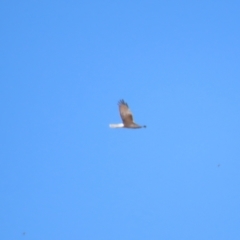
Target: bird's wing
x,y
125,113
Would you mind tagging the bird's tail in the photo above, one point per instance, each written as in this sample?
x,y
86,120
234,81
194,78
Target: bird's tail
x,y
118,125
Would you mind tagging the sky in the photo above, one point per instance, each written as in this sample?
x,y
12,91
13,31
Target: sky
x,y
65,174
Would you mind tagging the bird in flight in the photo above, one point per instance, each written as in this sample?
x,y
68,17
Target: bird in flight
x,y
126,116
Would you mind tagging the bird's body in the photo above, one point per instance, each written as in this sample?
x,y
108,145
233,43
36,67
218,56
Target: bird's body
x,y
126,116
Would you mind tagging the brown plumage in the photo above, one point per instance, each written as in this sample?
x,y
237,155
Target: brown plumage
x,y
126,116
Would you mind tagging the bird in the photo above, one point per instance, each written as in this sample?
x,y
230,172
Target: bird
x,y
127,117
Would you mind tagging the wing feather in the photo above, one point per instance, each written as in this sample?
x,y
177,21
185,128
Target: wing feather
x,y
125,113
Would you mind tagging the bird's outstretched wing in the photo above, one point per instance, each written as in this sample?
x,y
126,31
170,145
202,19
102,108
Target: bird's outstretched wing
x,y
125,113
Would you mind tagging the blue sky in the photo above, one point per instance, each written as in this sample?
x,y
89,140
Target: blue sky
x,y
65,174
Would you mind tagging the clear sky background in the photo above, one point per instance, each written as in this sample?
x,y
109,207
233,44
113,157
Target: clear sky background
x,y
65,174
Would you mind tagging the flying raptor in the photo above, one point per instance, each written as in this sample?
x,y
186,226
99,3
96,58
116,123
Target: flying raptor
x,y
126,116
